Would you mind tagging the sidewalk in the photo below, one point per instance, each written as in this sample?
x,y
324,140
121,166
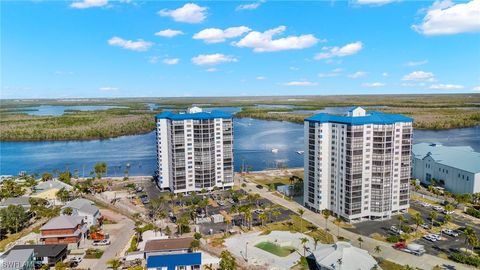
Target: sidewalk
x,y
425,262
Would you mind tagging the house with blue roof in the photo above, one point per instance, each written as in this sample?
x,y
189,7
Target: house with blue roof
x,y
456,168
179,261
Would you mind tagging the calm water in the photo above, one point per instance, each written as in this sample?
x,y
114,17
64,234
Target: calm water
x,y
44,110
254,140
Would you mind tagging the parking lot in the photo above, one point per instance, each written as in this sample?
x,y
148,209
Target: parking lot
x,y
446,245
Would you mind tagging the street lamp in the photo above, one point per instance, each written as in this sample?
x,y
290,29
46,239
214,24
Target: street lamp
x,y
246,256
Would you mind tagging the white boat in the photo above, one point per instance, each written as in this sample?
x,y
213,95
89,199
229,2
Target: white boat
x,y
300,152
274,150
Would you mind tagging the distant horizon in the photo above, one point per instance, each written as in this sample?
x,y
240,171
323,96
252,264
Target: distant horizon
x,y
129,48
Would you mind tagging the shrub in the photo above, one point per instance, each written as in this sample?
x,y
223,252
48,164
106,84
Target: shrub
x,y
470,260
393,238
473,212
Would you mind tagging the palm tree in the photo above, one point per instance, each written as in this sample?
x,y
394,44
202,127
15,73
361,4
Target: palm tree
x,y
377,249
433,215
263,217
326,214
401,220
360,241
470,237
316,239
301,212
338,220
275,214
417,219
304,241
68,211
114,263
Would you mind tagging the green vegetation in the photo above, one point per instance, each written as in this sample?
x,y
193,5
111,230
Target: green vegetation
x,y
389,265
275,249
13,219
297,224
429,111
227,261
473,212
470,260
93,253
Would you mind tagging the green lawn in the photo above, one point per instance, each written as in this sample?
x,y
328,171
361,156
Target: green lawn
x,y
275,249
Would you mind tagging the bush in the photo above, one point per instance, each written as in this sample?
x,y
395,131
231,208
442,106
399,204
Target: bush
x,y
473,212
133,244
470,260
393,239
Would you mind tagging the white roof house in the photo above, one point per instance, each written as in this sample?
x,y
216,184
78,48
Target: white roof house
x,y
43,186
342,255
86,209
18,259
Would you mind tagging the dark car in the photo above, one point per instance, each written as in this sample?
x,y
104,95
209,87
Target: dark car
x,y
259,186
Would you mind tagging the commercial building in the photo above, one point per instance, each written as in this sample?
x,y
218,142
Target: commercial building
x,y
358,165
342,255
194,150
455,168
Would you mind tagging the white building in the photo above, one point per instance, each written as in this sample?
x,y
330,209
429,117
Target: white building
x,y
86,209
358,165
456,168
194,150
342,255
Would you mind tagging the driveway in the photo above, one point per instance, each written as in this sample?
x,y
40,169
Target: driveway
x,y
425,262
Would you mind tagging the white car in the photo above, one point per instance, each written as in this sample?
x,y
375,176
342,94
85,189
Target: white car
x,y
436,236
450,232
430,238
76,259
104,242
437,208
447,212
425,226
425,204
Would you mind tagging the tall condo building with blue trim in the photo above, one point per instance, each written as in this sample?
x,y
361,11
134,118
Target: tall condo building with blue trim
x,y
358,165
194,150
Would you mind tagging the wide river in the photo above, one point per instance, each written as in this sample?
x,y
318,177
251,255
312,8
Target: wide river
x,y
253,144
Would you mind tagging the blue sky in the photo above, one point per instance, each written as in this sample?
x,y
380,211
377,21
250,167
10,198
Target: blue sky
x,y
101,48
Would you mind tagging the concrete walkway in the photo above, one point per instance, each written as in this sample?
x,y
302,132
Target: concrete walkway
x,y
424,262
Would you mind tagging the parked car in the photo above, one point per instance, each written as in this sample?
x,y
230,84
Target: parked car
x,y
145,199
425,204
259,186
450,232
76,259
437,208
436,236
104,242
430,238
447,212
395,230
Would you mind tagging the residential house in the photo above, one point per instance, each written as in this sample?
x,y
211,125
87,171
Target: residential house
x,y
45,254
64,230
23,201
18,260
86,209
43,186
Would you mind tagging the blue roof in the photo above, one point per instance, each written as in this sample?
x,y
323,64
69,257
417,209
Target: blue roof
x,y
173,260
193,116
460,157
370,118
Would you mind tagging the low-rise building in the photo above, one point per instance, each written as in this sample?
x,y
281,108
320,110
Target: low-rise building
x,y
23,201
45,254
343,255
455,168
51,184
64,230
171,254
18,260
86,209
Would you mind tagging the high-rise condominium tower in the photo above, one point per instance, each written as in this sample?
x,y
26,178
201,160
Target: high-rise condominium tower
x,y
194,150
358,165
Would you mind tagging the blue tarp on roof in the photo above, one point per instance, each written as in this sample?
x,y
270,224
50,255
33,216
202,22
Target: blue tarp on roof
x,y
171,261
370,118
193,116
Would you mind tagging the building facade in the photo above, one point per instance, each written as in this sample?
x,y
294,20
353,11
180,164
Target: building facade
x,y
68,230
455,168
194,150
358,165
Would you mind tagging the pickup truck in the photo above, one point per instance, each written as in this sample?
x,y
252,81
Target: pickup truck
x,y
415,249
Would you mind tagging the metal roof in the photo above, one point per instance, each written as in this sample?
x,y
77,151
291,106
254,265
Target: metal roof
x,y
62,222
350,257
17,259
168,244
371,118
171,261
43,250
22,200
82,205
460,157
193,116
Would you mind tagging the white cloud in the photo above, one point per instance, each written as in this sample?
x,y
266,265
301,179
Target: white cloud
x,y
189,13
248,6
171,61
212,59
333,73
385,74
375,84
476,88
215,35
416,63
153,59
300,83
373,2
446,86
168,33
263,42
139,45
446,18
358,74
108,89
88,4
294,68
260,78
63,72
419,76
349,49
211,70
